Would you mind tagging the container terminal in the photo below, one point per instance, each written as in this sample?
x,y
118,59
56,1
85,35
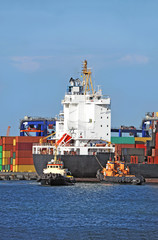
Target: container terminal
x,y
91,142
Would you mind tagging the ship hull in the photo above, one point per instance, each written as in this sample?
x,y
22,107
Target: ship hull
x,y
145,170
81,166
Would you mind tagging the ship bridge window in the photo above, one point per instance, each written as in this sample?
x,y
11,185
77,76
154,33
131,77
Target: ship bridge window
x,y
51,166
56,166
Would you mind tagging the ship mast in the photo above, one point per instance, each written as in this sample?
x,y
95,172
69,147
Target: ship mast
x,y
87,81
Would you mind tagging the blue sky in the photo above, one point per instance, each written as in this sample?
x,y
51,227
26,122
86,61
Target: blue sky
x,y
43,44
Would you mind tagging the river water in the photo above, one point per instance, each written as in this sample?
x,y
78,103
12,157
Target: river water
x,y
80,212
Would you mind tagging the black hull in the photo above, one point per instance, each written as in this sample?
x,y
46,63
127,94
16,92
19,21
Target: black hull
x,y
124,180
145,170
81,166
86,166
56,180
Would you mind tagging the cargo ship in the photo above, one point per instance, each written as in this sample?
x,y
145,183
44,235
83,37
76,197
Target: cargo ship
x,y
83,130
86,118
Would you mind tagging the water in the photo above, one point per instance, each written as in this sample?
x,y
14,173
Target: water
x,y
80,212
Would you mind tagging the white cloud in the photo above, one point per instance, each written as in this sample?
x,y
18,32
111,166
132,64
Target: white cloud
x,y
26,63
134,59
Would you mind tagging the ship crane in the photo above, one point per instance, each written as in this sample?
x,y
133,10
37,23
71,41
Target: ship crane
x,y
87,81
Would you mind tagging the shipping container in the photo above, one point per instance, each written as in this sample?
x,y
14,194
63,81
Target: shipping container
x,y
14,155
6,154
23,154
11,168
24,146
7,147
118,147
0,167
14,142
142,139
1,155
156,141
24,161
21,139
1,148
8,140
14,162
14,168
25,168
123,140
140,146
0,161
4,161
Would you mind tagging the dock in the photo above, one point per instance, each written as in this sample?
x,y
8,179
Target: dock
x,y
33,176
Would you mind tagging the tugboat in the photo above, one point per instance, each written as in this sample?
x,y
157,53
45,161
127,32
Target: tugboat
x,y
116,172
55,174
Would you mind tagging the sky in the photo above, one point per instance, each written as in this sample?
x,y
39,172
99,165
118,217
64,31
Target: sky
x,y
44,42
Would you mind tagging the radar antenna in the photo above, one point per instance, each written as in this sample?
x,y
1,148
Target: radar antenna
x,y
87,81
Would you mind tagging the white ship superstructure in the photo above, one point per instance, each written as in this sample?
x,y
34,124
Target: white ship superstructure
x,y
86,114
86,117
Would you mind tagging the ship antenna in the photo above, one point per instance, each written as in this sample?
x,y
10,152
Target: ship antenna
x,y
87,81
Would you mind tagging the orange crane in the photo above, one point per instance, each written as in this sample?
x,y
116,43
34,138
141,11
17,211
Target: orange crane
x,y
8,131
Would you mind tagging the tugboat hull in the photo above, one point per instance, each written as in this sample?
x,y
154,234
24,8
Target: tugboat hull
x,y
124,180
55,180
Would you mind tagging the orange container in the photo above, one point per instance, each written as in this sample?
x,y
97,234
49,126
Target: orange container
x,y
24,161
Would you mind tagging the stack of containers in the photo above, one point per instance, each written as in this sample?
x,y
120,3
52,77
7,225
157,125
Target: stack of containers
x,y
23,154
7,153
122,143
156,149
16,154
1,148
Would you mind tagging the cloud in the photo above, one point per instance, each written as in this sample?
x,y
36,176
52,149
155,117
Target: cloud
x,y
29,64
134,59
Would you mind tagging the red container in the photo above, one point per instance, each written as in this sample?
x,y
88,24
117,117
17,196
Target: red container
x,y
151,160
24,161
156,160
7,147
28,139
141,146
11,153
156,141
24,154
24,146
134,159
1,141
156,152
7,140
11,167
